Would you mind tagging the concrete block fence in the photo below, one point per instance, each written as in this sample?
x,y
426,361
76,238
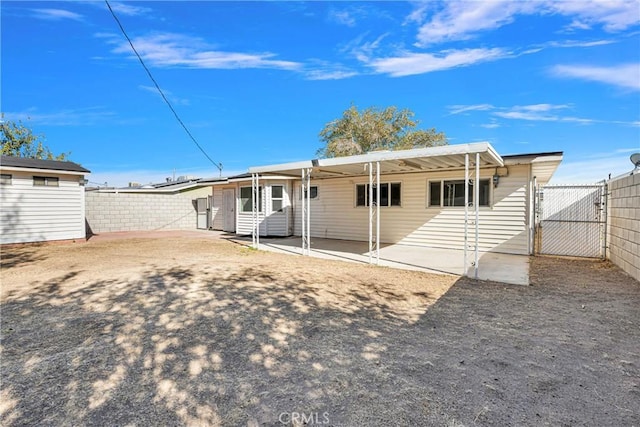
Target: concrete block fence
x,y
111,211
624,224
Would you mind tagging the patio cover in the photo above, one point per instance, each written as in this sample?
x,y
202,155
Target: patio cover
x,y
445,157
375,164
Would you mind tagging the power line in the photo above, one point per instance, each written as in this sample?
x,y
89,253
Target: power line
x,y
218,165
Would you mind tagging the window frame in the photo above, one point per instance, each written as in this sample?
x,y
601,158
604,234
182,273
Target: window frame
x,y
47,181
484,182
280,199
303,193
389,194
6,179
242,204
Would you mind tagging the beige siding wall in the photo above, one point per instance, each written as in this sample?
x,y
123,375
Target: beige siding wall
x,y
503,225
624,224
34,214
217,215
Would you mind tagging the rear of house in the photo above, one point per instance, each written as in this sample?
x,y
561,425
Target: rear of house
x,y
422,198
42,200
232,209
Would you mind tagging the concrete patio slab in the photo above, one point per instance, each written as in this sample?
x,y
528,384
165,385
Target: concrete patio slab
x,y
497,267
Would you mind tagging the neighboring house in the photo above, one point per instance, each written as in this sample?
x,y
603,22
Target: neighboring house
x,y
183,204
41,200
422,198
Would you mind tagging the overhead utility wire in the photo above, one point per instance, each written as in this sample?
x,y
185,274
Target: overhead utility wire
x,y
218,165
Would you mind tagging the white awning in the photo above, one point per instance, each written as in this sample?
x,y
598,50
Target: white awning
x,y
445,157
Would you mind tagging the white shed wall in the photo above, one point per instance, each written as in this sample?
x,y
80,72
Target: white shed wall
x,y
503,225
36,214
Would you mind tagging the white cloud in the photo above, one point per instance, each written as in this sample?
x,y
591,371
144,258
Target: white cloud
x,y
128,9
168,94
533,112
541,107
462,19
540,112
70,117
175,50
56,14
492,125
327,74
457,109
343,17
613,15
625,75
410,63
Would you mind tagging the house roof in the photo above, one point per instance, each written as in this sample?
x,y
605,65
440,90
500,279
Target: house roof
x,y
543,165
420,159
51,165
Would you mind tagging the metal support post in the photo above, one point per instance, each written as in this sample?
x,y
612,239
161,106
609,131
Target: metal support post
x,y
476,205
255,211
466,211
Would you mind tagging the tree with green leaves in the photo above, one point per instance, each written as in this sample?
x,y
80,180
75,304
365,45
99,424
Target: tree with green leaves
x,y
372,129
18,140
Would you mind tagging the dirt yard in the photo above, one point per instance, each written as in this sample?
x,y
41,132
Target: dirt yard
x,y
201,331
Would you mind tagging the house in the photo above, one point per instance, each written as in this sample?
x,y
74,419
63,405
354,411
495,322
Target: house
x,y
180,204
416,197
42,200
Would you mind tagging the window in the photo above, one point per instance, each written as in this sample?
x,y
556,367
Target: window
x,y
313,191
45,181
5,179
390,194
276,198
451,193
246,199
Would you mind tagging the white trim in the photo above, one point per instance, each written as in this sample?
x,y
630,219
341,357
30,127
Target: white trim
x,y
38,170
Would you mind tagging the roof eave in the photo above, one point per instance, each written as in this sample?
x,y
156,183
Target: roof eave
x,y
38,170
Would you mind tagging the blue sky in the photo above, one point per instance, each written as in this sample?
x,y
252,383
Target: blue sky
x,y
256,82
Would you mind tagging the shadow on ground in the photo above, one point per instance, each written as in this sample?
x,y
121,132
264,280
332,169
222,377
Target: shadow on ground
x,y
174,346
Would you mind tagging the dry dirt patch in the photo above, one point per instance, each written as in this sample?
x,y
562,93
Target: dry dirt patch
x,y
192,331
179,331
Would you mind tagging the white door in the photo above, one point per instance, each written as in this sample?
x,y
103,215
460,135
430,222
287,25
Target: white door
x,y
229,209
201,205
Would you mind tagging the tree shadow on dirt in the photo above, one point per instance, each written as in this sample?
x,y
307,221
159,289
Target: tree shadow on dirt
x,y
172,347
20,254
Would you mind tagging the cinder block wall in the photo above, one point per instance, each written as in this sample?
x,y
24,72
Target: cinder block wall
x,y
142,211
624,224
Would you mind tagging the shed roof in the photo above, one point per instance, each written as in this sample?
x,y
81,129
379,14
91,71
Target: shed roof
x,y
420,159
53,165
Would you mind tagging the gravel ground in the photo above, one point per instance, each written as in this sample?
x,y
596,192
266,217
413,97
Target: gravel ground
x,y
193,331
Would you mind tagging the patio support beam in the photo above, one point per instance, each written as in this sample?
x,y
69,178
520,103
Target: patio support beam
x,y
466,211
306,210
378,213
309,211
476,205
255,212
374,212
304,188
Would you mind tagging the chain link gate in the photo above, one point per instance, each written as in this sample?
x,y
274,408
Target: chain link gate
x,y
571,220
